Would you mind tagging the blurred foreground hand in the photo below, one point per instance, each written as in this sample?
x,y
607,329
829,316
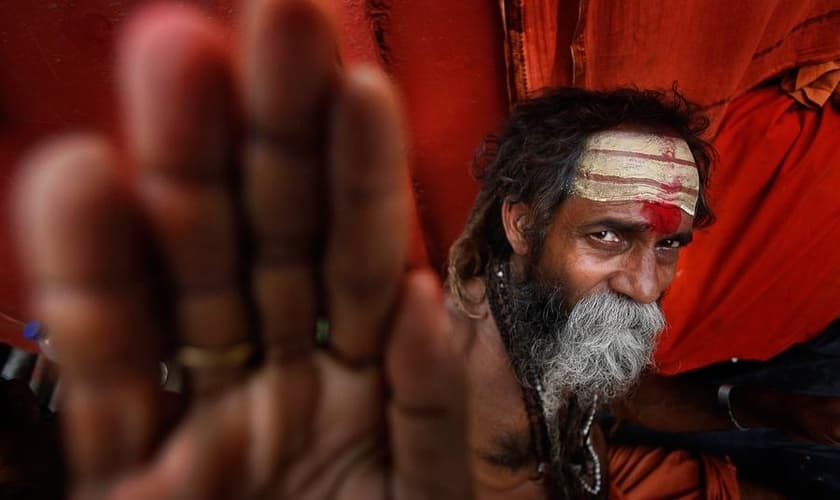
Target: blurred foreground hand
x,y
257,187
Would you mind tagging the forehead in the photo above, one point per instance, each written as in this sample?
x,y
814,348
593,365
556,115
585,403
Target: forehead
x,y
632,165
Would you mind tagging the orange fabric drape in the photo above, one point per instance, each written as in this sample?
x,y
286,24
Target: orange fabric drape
x,y
641,473
813,85
766,275
714,50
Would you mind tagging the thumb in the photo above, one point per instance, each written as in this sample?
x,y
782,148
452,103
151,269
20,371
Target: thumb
x,y
427,413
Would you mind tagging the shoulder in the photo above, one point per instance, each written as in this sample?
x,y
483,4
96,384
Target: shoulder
x,y
471,314
472,305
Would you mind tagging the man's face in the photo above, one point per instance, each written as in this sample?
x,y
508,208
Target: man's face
x,y
589,291
585,310
584,301
628,248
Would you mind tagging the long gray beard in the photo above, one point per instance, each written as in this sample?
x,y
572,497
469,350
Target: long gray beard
x,y
599,349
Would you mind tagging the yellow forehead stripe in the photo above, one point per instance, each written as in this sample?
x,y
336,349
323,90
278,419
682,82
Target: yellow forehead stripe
x,y
621,165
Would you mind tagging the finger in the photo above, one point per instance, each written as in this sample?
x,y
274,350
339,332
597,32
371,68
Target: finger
x,y
81,246
181,123
289,65
367,244
427,414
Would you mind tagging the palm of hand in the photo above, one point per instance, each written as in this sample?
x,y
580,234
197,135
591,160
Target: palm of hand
x,y
125,271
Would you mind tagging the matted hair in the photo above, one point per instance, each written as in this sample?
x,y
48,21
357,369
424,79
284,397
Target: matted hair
x,y
534,160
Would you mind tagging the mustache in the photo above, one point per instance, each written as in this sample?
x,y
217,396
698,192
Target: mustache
x,y
605,344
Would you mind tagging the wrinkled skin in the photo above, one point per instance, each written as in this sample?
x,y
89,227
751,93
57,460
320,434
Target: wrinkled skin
x,y
247,155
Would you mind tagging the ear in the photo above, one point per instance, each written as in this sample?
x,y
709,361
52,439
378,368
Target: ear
x,y
515,220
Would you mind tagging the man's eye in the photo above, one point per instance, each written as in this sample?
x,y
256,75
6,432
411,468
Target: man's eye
x,y
670,244
608,236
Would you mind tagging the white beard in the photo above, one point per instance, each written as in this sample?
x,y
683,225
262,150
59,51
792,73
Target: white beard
x,y
600,351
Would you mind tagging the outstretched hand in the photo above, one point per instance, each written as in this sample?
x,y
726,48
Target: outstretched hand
x,y
256,189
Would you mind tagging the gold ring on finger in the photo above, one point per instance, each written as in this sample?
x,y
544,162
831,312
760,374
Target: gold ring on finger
x,y
192,356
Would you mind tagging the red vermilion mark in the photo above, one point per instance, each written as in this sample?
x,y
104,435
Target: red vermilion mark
x,y
663,219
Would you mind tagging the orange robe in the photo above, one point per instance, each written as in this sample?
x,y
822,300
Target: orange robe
x,y
644,473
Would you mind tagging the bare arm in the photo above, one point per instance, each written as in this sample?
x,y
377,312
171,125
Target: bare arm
x,y
686,404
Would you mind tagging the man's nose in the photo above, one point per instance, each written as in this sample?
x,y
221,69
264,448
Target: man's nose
x,y
638,278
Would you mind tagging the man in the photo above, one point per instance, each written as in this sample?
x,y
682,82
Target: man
x,y
585,202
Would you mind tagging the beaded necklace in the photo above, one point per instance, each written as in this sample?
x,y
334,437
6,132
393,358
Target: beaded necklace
x,y
532,390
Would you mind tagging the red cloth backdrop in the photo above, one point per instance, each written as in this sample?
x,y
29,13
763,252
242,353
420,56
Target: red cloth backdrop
x,y
447,60
56,73
766,275
714,50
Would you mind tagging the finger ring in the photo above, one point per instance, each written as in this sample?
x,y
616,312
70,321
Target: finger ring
x,y
215,357
324,342
322,332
